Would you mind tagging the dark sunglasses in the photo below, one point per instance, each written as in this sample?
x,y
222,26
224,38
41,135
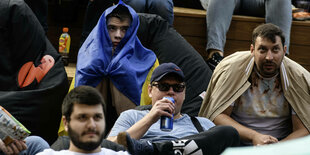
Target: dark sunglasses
x,y
166,87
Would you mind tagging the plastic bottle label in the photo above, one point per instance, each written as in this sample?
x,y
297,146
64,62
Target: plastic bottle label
x,y
64,43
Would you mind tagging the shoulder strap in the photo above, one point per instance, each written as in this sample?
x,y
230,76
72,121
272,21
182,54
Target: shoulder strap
x,y
197,124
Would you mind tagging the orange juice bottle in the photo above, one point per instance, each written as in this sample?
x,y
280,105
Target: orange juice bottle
x,y
64,45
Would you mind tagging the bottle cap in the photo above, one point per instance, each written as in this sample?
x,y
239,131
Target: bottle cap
x,y
65,29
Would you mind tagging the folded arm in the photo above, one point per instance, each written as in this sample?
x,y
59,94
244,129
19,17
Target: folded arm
x,y
299,130
245,133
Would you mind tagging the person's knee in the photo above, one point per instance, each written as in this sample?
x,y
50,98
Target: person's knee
x,y
281,2
163,8
137,5
36,141
163,3
230,133
227,130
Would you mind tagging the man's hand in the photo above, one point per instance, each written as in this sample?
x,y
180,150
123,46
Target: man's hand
x,y
245,133
163,107
260,139
13,148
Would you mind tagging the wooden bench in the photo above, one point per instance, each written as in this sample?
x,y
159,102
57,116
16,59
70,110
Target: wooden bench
x,y
70,69
191,24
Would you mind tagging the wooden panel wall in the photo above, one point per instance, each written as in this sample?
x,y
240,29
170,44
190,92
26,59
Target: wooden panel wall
x,y
191,24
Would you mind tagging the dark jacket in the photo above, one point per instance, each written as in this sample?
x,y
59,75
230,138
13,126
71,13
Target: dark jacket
x,y
33,81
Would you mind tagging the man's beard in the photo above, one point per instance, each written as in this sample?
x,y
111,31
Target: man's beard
x,y
87,146
269,73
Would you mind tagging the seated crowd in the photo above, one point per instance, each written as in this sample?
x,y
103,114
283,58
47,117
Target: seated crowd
x,y
120,90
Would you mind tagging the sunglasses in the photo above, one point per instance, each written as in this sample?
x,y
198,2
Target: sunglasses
x,y
166,87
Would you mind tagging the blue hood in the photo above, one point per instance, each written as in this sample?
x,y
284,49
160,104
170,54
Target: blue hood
x,y
127,68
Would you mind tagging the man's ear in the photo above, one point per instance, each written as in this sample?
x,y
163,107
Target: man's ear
x,y
150,90
252,49
285,49
65,122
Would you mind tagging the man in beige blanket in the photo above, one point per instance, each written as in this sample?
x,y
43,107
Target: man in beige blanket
x,y
261,92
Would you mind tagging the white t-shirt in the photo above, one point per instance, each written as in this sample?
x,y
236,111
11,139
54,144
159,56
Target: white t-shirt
x,y
263,107
104,151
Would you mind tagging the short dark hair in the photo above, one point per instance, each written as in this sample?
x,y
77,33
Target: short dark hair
x,y
269,31
81,95
121,12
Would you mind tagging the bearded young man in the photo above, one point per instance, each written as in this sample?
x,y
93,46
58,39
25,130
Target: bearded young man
x,y
262,93
83,116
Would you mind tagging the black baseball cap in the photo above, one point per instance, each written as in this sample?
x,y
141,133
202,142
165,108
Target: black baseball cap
x,y
165,68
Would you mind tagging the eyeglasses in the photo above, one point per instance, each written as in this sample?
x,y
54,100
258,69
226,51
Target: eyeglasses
x,y
166,87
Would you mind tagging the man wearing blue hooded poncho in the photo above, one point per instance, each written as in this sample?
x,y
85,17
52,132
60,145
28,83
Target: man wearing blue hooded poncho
x,y
113,59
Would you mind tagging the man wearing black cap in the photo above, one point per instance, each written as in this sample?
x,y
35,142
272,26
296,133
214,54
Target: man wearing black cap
x,y
167,80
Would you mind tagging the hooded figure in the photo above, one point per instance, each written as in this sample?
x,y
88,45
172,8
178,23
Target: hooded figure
x,y
129,65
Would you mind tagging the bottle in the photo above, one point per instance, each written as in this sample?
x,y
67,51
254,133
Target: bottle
x,y
64,45
166,123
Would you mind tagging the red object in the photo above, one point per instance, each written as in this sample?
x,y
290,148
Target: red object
x,y
28,72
